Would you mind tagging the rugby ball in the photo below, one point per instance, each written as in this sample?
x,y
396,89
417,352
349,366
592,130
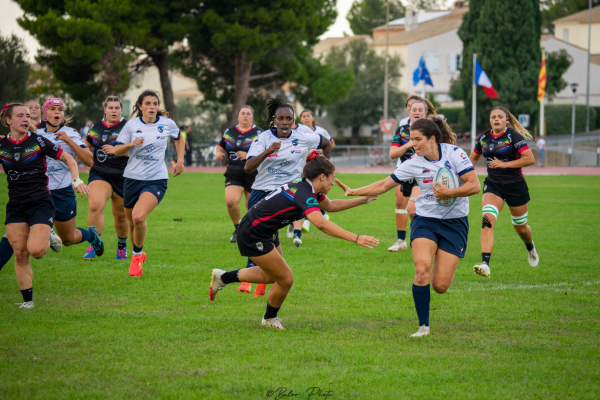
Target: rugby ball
x,y
446,177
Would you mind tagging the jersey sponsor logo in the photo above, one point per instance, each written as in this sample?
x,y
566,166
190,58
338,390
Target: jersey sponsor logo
x,y
295,151
295,142
14,175
51,220
276,171
284,163
161,137
521,143
428,179
150,148
429,196
233,156
425,170
139,131
260,246
101,156
17,156
146,157
161,129
56,147
311,201
466,162
41,142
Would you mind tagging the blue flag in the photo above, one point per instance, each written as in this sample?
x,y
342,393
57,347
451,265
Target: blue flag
x,y
422,74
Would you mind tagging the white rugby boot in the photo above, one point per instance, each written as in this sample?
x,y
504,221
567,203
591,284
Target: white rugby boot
x,y
55,241
423,331
216,283
297,241
27,304
306,226
482,269
272,323
399,245
290,231
534,259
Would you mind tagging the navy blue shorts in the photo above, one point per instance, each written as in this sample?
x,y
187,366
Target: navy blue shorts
x,y
116,181
134,188
65,203
451,235
256,196
36,212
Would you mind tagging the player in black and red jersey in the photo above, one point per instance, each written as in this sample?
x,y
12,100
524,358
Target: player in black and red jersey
x,y
106,175
35,111
506,152
234,145
258,233
30,209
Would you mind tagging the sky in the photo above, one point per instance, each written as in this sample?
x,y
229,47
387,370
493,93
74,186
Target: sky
x,y
11,11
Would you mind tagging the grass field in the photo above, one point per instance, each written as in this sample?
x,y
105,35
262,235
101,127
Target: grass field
x,y
95,332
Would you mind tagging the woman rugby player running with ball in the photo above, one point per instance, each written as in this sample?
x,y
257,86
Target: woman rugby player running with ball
x,y
30,210
279,154
257,236
506,152
438,233
234,145
106,175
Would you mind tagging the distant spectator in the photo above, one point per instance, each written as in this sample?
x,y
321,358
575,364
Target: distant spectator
x,y
84,131
188,147
541,146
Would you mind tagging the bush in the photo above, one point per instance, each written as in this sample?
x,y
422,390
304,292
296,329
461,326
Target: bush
x,y
456,118
597,118
558,118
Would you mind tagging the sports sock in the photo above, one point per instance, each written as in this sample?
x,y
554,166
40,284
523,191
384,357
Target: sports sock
x,y
86,235
121,243
27,295
137,251
298,232
422,298
322,212
529,246
236,227
6,252
485,258
271,312
230,277
401,235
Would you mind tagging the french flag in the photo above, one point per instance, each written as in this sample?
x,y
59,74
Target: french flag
x,y
482,79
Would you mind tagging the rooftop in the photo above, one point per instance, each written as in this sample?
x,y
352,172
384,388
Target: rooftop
x,y
580,17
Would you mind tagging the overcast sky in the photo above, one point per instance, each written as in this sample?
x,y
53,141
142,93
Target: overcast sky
x,y
11,11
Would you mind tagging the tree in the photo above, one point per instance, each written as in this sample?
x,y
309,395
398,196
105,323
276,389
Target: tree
x,y
555,9
364,103
506,38
14,68
91,44
425,5
557,63
364,15
236,48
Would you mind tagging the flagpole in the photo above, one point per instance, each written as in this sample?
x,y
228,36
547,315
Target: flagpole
x,y
542,116
474,109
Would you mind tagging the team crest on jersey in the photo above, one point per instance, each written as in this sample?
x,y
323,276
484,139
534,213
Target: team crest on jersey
x,y
447,165
238,142
259,246
104,137
17,156
161,129
491,146
295,142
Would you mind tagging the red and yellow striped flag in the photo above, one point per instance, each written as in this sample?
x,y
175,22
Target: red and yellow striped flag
x,y
542,79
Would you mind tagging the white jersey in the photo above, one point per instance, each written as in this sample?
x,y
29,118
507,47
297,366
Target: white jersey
x,y
322,132
147,163
59,176
404,121
286,164
424,171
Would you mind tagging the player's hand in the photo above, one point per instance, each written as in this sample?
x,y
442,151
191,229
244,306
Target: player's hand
x,y
82,189
179,167
274,148
410,144
62,136
138,142
367,241
345,188
242,155
2,137
497,164
440,191
219,156
108,149
369,199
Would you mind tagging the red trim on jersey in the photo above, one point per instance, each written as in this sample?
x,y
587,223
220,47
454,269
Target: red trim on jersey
x,y
312,209
323,197
496,137
522,149
259,220
110,126
38,124
20,141
395,144
242,132
476,151
60,151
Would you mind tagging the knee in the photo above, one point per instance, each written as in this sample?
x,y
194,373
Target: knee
x,y
287,282
231,203
95,208
521,229
138,219
21,255
38,252
422,272
411,208
440,288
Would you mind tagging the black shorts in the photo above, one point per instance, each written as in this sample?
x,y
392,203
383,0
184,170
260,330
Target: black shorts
x,y
407,187
116,181
40,211
252,243
236,176
65,203
132,189
515,194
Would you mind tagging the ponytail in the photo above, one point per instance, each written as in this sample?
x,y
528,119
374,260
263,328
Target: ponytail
x,y
316,166
435,126
514,123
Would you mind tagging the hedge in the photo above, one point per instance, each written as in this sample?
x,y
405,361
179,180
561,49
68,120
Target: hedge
x,y
559,118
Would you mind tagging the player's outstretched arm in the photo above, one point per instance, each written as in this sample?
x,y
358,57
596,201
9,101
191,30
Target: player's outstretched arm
x,y
77,183
333,230
471,187
374,189
341,205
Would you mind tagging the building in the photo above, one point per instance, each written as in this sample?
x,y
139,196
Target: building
x,y
573,29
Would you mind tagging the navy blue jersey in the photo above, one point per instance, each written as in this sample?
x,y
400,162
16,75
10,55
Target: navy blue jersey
x,y
287,203
401,137
506,147
234,140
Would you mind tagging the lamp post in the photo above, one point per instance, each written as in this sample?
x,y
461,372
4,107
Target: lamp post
x,y
572,156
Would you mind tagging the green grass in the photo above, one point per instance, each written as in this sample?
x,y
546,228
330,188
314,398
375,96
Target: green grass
x,y
95,332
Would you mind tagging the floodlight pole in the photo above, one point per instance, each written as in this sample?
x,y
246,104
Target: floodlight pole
x,y
474,109
587,92
387,61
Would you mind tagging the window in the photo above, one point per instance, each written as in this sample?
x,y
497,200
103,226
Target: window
x,y
454,63
432,61
566,35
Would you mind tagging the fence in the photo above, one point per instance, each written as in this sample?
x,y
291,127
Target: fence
x,y
558,153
